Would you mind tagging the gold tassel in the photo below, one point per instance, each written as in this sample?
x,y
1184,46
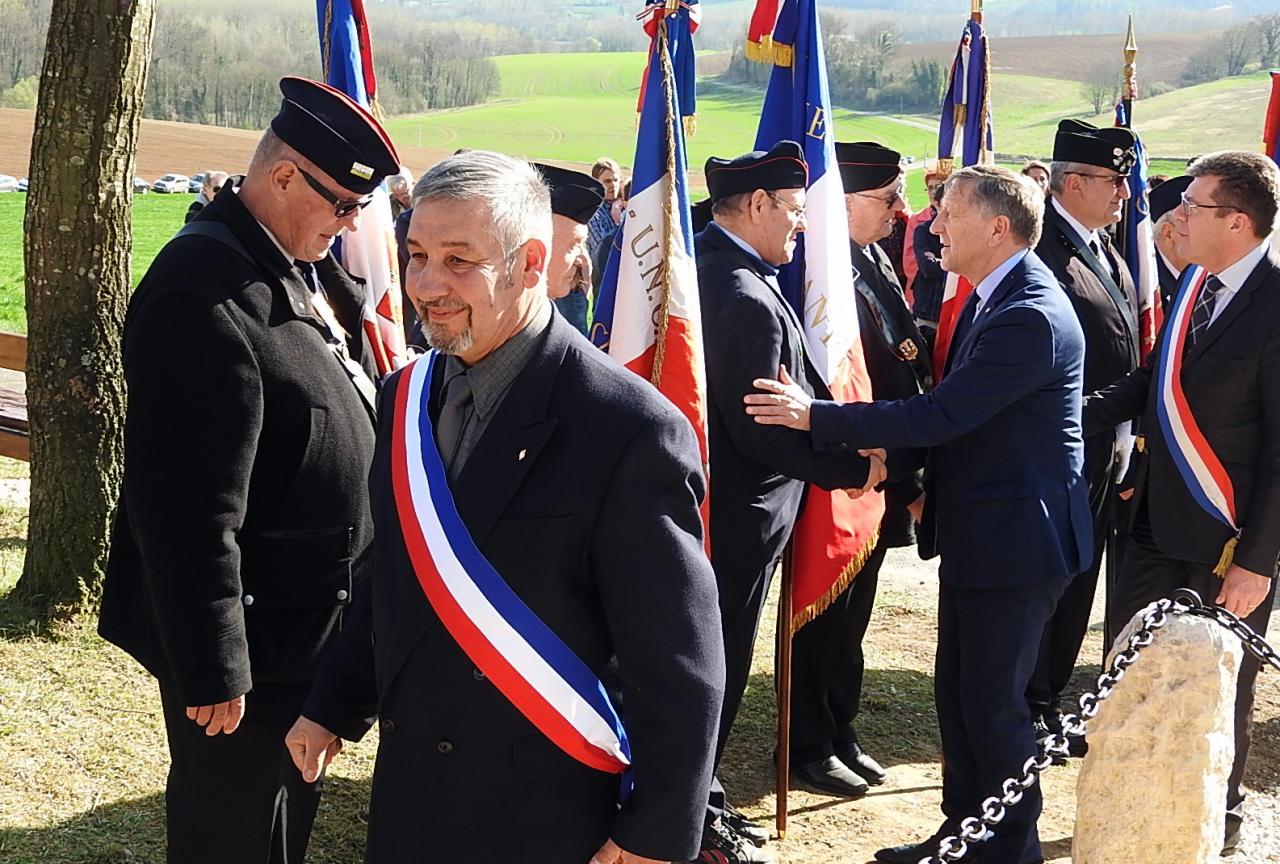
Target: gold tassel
x,y
1228,555
760,52
783,55
375,108
847,575
946,167
691,125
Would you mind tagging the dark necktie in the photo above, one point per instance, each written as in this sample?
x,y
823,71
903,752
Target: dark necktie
x,y
964,322
455,408
1203,313
1101,252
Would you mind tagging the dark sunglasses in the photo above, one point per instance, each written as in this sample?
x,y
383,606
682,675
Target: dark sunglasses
x,y
341,208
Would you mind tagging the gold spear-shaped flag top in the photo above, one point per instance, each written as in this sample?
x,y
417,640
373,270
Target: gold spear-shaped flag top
x,y
1131,62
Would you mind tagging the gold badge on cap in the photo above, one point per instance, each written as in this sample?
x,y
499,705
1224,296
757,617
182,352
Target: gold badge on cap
x,y
364,172
907,350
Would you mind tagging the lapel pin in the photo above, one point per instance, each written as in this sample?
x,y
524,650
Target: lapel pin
x,y
520,456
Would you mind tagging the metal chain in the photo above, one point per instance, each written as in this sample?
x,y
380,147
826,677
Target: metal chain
x,y
977,829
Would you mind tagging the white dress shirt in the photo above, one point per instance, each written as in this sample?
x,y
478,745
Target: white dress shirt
x,y
1233,278
987,286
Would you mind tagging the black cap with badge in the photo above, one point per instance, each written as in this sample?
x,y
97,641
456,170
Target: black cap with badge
x,y
1106,147
1166,196
866,165
782,167
573,194
337,135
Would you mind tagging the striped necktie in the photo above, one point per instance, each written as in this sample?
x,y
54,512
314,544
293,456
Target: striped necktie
x,y
1202,315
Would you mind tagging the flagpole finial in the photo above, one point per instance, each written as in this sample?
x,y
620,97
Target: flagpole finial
x,y
1130,41
1130,63
975,10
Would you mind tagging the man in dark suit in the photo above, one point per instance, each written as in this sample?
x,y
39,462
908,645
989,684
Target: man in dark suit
x,y
749,330
1169,261
243,531
827,662
1088,191
611,561
1230,374
1005,425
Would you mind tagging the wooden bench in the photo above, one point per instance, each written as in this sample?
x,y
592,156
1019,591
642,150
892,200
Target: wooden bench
x,y
15,430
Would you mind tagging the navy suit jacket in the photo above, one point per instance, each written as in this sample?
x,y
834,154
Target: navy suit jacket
x,y
1006,495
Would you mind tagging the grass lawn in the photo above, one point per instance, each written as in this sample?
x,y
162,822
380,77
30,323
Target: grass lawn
x,y
156,218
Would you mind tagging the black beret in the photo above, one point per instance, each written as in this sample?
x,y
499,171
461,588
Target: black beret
x,y
700,213
866,165
1108,147
1166,196
782,167
331,130
573,194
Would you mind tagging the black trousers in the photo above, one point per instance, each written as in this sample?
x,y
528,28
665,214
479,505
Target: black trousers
x,y
987,646
827,667
742,596
1150,575
237,797
1065,632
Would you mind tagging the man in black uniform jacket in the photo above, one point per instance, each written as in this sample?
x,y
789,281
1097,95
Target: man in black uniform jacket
x,y
1231,380
243,529
1087,193
827,661
760,473
609,558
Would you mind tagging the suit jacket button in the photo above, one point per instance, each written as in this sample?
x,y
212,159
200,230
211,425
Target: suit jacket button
x,y
477,674
445,747
342,594
844,446
248,599
386,725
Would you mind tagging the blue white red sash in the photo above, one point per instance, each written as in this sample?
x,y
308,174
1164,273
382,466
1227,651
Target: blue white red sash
x,y
515,650
1204,475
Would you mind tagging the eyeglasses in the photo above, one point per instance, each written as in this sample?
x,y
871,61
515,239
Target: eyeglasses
x,y
898,195
341,208
1116,181
1190,206
797,211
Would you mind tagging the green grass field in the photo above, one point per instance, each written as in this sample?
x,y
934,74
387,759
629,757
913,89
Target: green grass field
x,y
155,219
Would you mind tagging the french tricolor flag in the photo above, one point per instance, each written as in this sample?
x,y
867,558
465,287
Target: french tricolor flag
x,y
648,317
370,251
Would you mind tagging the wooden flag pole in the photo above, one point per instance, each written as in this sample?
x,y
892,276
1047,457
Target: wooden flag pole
x,y
975,11
783,752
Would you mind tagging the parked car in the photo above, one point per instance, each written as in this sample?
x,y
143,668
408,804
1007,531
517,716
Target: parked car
x,y
140,186
23,184
171,183
8,184
196,183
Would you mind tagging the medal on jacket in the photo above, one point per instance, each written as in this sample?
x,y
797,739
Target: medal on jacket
x,y
531,666
1206,479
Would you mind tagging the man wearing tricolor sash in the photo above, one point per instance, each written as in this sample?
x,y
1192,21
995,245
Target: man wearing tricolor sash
x,y
1207,500
514,593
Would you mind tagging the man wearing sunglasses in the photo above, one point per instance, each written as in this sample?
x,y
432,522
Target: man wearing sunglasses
x,y
1088,188
243,529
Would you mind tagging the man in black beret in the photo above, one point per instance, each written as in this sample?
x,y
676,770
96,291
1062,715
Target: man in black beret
x,y
243,529
760,473
1088,189
1170,261
575,198
827,661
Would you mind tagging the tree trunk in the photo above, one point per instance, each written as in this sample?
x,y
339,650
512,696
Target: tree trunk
x,y
78,240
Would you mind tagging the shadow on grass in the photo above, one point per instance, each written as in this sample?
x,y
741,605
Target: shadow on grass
x,y
897,725
133,831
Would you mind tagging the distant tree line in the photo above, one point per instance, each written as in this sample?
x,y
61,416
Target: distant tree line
x,y
859,70
217,61
1236,50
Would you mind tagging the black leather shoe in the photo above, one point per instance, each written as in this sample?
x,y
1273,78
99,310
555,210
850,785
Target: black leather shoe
x,y
912,853
722,846
737,822
831,776
1043,733
1076,746
860,763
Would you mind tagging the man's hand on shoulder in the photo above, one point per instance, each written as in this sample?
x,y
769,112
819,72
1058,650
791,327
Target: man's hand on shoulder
x,y
611,853
312,747
1243,591
783,402
223,717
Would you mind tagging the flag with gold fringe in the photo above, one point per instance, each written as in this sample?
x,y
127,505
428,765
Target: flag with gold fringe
x,y
835,533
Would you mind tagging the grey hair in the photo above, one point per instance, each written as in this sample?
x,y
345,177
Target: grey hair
x,y
1058,172
1248,182
270,150
998,191
517,198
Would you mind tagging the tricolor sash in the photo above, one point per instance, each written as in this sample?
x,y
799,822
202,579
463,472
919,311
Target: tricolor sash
x,y
1200,468
506,640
